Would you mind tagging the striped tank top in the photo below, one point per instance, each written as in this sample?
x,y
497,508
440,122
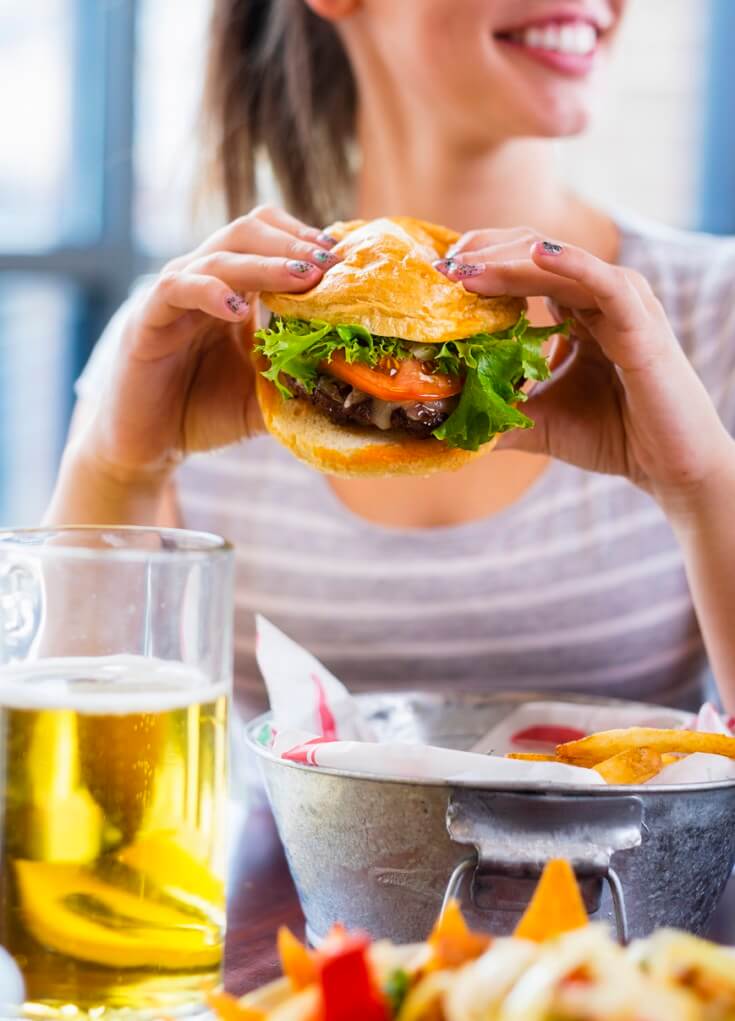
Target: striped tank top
x,y
577,587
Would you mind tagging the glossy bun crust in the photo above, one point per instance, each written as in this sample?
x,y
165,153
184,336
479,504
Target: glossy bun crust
x,y
386,282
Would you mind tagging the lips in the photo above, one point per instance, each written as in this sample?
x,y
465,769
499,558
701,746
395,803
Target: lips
x,y
568,45
575,38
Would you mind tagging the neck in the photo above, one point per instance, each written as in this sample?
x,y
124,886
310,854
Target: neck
x,y
499,188
410,169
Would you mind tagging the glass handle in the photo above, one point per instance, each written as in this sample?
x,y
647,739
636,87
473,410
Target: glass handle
x,y
20,610
12,986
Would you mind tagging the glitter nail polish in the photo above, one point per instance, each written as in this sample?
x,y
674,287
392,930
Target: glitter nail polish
x,y
466,269
236,304
323,258
550,248
299,268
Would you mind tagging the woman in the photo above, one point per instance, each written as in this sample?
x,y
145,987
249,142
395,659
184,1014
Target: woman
x,y
526,569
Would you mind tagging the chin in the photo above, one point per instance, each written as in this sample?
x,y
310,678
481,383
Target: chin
x,y
546,110
562,123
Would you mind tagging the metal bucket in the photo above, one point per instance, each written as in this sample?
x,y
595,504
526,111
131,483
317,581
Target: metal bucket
x,y
382,854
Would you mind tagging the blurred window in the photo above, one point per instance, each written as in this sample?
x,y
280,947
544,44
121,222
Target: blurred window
x,y
171,54
35,55
35,387
50,169
66,252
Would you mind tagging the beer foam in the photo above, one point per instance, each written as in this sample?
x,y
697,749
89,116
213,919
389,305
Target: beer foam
x,y
106,685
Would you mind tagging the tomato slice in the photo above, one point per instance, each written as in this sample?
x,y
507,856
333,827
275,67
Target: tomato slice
x,y
394,379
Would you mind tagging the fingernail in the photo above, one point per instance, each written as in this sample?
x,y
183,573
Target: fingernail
x,y
326,239
444,265
237,304
323,258
550,248
300,268
460,270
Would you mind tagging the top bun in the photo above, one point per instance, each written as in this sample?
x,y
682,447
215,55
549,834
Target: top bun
x,y
386,282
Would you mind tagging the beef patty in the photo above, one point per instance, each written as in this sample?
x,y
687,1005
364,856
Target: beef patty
x,y
344,405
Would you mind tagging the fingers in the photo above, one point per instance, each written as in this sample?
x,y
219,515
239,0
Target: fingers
x,y
474,240
279,218
519,277
261,238
610,304
269,231
595,284
630,325
267,250
215,284
174,293
251,273
612,287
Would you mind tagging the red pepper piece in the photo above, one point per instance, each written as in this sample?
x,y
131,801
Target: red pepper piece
x,y
348,990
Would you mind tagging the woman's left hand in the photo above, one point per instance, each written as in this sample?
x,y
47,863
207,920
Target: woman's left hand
x,y
623,398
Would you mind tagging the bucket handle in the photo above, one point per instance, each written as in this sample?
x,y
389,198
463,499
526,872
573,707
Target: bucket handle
x,y
515,835
471,864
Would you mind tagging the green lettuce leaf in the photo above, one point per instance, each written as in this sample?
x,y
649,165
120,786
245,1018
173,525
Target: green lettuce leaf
x,y
297,347
493,365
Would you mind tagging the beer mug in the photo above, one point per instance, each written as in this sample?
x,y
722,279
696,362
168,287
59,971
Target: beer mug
x,y
115,673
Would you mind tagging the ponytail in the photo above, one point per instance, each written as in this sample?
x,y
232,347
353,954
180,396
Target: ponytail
x,y
279,84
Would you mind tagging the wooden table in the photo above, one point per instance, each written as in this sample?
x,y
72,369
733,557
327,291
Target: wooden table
x,y
263,897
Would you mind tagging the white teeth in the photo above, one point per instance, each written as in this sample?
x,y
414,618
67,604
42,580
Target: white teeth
x,y
534,37
578,38
568,39
551,37
586,38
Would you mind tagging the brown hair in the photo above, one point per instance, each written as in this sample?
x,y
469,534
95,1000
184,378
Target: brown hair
x,y
279,83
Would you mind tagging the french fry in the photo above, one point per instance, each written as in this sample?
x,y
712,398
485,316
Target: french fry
x,y
556,905
531,757
669,758
634,766
592,750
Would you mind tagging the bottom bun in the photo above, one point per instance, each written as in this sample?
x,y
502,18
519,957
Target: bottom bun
x,y
353,451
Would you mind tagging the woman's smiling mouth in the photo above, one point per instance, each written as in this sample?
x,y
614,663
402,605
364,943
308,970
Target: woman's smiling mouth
x,y
568,45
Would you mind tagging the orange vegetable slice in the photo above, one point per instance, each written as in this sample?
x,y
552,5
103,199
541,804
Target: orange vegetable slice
x,y
556,905
227,1008
452,943
297,962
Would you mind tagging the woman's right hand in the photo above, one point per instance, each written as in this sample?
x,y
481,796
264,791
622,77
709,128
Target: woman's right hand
x,y
182,380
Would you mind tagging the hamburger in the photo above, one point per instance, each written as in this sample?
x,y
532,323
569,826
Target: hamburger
x,y
386,367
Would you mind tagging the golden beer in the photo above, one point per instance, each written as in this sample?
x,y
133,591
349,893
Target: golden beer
x,y
112,847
